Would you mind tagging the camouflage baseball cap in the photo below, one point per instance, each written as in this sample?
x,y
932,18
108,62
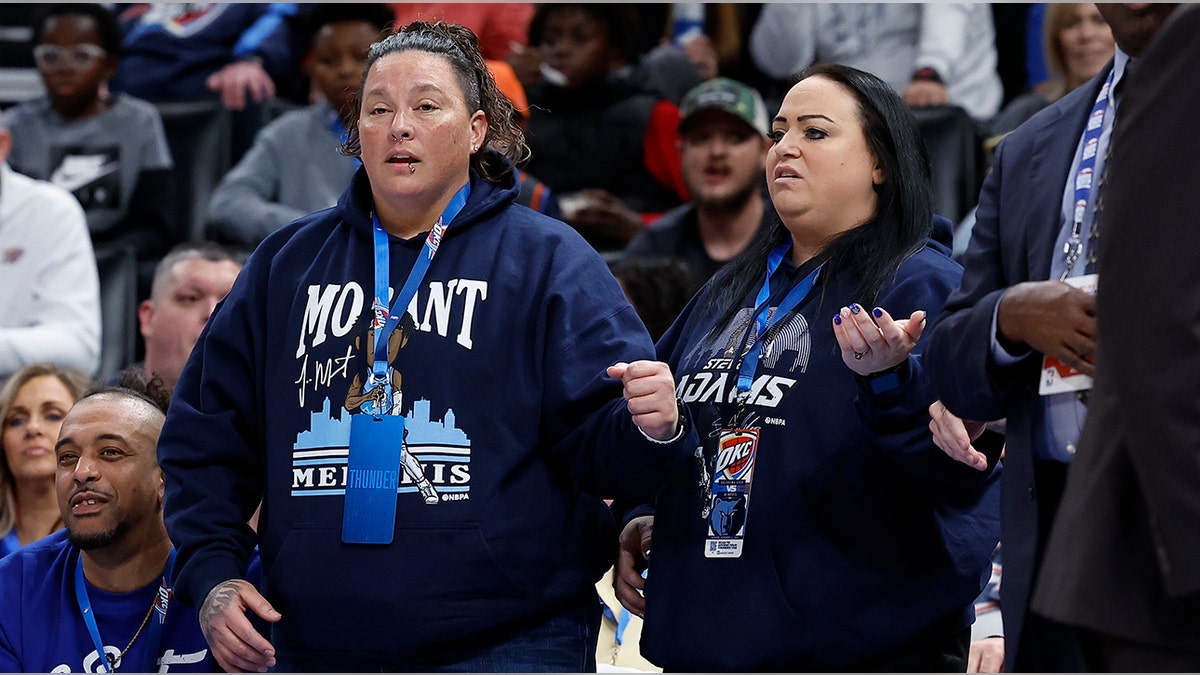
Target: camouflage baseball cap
x,y
722,93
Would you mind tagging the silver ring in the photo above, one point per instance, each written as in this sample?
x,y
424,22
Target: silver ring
x,y
859,355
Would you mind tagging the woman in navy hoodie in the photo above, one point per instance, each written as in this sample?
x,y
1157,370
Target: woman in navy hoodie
x,y
423,386
819,527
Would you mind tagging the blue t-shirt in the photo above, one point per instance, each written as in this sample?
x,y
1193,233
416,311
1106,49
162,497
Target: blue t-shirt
x,y
42,630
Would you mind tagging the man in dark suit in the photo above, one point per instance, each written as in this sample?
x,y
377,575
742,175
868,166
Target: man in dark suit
x,y
986,351
1123,560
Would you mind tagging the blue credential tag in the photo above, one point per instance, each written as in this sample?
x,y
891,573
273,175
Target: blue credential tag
x,y
372,479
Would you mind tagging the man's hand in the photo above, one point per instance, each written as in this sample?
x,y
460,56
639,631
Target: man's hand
x,y
236,79
954,436
986,656
1051,317
633,553
920,93
235,644
601,214
650,396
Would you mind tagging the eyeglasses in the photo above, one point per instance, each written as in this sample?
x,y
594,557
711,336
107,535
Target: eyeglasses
x,y
52,56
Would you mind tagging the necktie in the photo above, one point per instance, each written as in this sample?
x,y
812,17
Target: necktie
x,y
1093,243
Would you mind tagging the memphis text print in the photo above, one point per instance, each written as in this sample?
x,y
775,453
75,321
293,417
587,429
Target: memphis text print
x,y
436,456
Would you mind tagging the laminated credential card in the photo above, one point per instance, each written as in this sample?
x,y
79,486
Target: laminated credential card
x,y
1058,377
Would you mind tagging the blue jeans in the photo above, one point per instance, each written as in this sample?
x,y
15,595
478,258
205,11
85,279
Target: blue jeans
x,y
563,641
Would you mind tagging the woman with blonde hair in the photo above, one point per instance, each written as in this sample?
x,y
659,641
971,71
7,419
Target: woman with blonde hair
x,y
32,405
1078,42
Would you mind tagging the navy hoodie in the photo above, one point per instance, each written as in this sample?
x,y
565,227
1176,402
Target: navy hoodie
x,y
860,533
508,409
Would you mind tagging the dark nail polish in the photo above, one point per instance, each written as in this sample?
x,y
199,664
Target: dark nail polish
x,y
878,312
855,308
837,319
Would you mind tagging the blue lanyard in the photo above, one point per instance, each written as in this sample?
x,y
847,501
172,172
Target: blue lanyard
x,y
153,637
385,321
764,320
1086,175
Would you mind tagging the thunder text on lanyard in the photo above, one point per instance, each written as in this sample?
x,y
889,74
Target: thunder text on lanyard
x,y
377,439
726,490
154,624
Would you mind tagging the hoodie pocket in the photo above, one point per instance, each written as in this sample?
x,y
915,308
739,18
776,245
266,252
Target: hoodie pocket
x,y
430,584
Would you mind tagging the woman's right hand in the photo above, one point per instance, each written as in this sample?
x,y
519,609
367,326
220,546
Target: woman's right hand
x,y
633,553
870,345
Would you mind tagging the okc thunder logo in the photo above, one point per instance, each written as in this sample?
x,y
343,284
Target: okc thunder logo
x,y
379,315
435,237
735,455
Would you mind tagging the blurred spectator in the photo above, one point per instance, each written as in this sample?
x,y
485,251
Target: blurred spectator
x,y
50,307
19,79
598,138
657,287
237,52
185,52
715,36
722,145
1078,43
295,166
108,150
932,53
188,284
501,27
534,193
32,404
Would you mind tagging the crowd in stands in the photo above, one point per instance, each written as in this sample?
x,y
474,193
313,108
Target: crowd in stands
x,y
147,150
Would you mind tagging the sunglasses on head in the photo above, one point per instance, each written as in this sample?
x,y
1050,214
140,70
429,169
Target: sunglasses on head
x,y
50,56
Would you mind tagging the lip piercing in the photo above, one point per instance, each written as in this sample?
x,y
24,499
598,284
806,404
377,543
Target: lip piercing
x,y
412,168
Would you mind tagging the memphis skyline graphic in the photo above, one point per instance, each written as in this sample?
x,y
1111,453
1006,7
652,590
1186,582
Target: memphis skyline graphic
x,y
321,453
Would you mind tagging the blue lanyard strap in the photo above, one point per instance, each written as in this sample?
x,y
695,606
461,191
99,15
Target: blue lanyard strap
x,y
1085,175
764,319
153,638
385,320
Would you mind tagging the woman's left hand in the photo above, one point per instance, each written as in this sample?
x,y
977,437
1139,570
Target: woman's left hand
x,y
873,341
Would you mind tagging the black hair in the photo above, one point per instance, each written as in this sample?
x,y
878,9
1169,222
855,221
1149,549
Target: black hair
x,y
658,287
621,21
460,48
131,384
376,14
903,218
106,22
